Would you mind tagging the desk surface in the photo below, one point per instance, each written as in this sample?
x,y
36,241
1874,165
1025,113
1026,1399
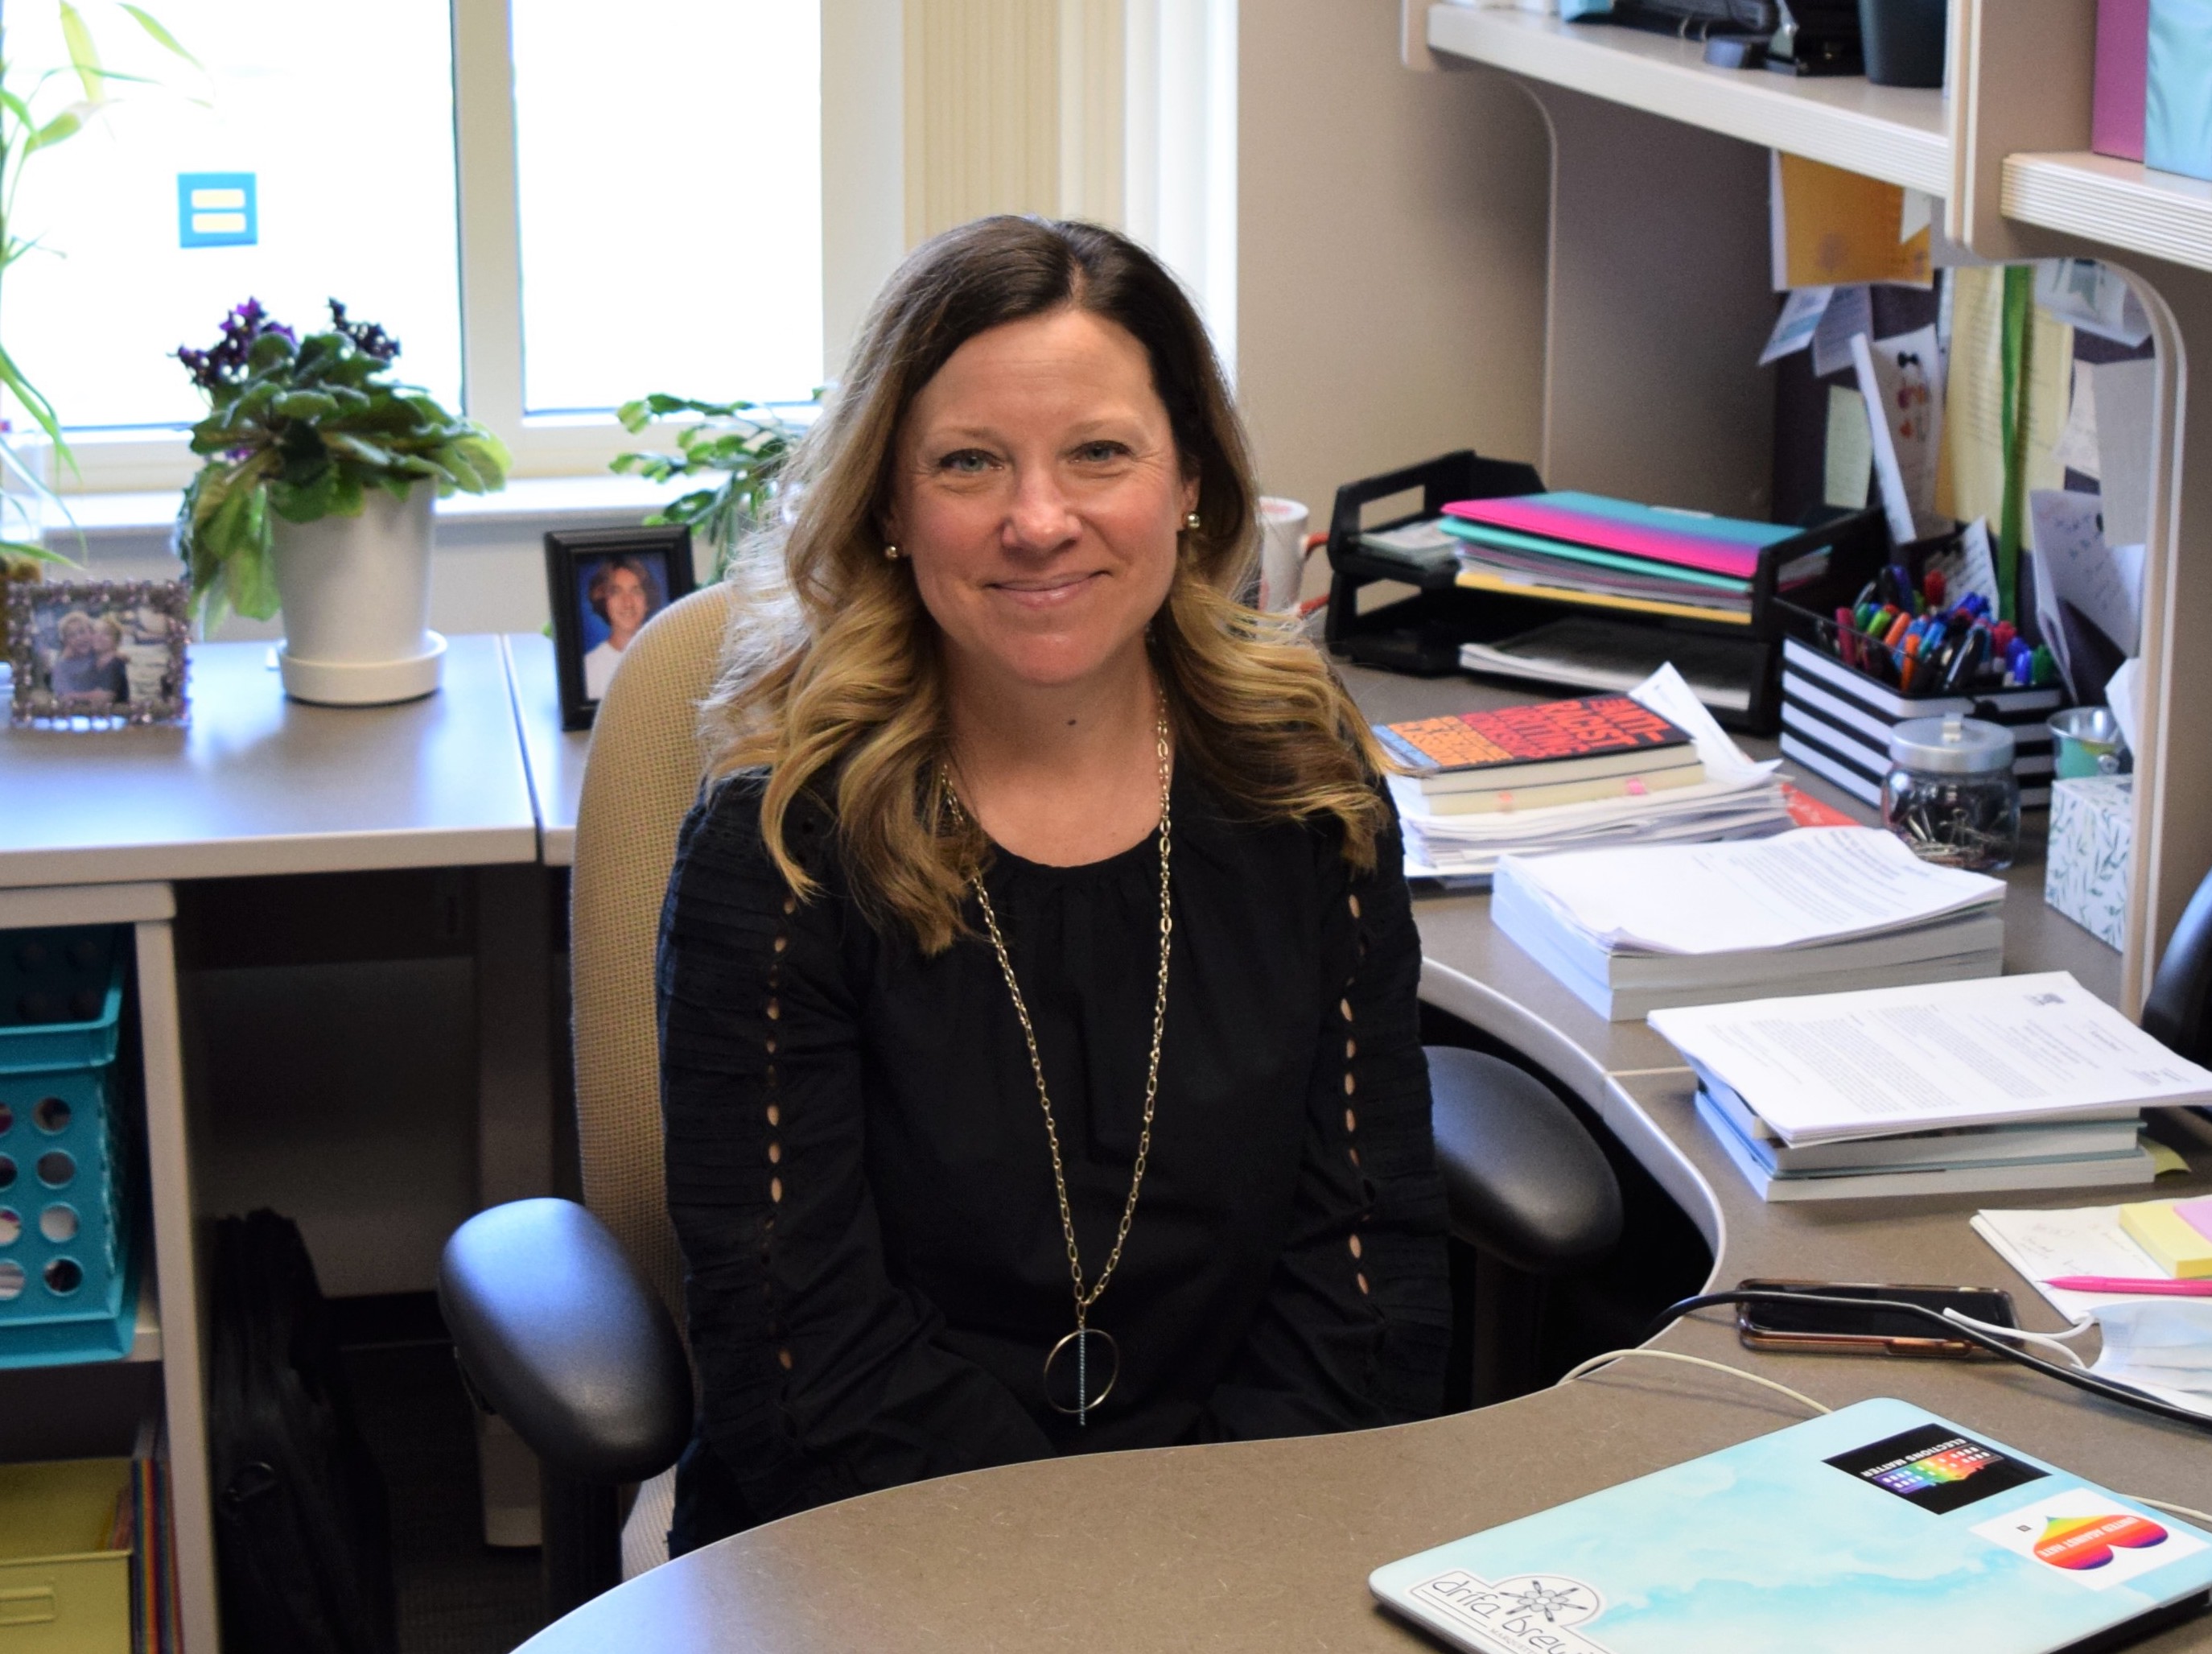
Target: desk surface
x,y
260,784
1267,1545
556,755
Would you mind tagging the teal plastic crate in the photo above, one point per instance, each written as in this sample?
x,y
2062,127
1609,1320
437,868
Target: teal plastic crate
x,y
67,1291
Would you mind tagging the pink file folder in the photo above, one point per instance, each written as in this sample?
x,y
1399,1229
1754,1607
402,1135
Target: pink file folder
x,y
2116,107
1681,548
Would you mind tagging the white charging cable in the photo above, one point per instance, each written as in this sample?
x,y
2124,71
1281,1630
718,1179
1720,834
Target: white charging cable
x,y
1581,1368
2052,1342
1596,1361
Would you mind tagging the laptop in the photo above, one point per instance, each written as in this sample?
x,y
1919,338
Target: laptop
x,y
1880,1526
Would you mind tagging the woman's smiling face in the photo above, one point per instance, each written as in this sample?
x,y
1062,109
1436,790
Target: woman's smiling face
x,y
1038,490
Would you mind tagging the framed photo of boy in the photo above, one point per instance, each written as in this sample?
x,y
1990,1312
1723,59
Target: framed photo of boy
x,y
98,654
605,584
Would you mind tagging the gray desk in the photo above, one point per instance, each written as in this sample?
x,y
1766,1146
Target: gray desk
x,y
1265,1545
94,828
555,754
257,784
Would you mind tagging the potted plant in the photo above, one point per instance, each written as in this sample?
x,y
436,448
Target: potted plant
x,y
743,443
316,497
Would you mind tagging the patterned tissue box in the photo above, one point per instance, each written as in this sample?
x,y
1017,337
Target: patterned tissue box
x,y
2085,876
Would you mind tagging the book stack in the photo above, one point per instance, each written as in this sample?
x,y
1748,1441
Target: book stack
x,y
1641,928
1650,766
1529,757
2000,1083
1588,550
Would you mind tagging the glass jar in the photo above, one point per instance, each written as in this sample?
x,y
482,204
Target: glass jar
x,y
1950,792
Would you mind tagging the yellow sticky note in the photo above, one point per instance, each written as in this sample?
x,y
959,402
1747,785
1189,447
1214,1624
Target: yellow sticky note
x,y
1838,225
2172,1241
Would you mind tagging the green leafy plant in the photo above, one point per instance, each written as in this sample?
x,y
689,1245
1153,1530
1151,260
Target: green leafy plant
x,y
31,124
302,428
742,442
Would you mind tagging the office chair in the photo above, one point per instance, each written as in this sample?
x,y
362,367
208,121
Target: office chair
x,y
566,1318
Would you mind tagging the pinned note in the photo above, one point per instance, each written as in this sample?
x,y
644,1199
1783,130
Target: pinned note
x,y
1830,225
1850,311
2125,394
1793,328
1849,465
1903,377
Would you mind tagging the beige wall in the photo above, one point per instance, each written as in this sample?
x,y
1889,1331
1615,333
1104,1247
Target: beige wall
x,y
1391,235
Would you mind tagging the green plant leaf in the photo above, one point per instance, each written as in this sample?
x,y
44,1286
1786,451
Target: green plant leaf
x,y
84,55
304,405
161,37
66,124
268,350
354,447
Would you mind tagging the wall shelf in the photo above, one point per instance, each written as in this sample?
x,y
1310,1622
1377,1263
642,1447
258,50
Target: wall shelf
x,y
2122,203
1899,135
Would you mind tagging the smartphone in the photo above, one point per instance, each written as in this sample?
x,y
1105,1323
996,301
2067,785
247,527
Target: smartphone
x,y
1871,1331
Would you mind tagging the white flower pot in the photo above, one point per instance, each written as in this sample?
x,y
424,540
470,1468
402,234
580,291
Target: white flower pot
x,y
356,597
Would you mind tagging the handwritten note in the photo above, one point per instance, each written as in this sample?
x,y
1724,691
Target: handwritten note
x,y
2070,540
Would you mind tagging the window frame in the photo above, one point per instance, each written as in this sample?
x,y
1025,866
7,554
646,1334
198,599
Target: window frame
x,y
862,241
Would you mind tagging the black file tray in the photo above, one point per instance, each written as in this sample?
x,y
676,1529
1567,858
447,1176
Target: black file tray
x,y
1420,634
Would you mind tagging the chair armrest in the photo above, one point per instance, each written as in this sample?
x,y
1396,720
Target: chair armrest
x,y
562,1337
1523,1180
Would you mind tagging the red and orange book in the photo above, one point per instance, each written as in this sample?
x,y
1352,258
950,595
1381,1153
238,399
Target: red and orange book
x,y
1548,744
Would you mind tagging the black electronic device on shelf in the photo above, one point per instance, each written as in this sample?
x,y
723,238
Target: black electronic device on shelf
x,y
1421,631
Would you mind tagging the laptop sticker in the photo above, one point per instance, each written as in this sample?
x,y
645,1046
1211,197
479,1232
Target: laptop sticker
x,y
1935,1468
1534,1613
2089,1536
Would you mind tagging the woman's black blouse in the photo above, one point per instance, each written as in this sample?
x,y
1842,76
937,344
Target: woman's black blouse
x,y
859,1175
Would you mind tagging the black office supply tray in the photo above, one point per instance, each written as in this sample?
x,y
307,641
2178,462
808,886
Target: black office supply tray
x,y
1420,634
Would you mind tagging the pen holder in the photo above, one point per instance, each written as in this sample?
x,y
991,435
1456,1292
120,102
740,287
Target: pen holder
x,y
1836,720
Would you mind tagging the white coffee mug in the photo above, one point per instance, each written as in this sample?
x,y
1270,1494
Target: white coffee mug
x,y
1282,553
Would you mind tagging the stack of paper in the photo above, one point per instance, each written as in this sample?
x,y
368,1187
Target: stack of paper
x,y
1891,1064
1737,799
1816,910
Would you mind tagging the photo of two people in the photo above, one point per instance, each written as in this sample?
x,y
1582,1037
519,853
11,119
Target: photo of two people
x,y
105,653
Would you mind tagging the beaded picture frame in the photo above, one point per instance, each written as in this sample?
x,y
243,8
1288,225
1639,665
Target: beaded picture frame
x,y
90,655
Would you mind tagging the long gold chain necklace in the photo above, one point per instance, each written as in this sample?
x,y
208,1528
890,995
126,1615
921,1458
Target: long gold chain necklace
x,y
1076,1347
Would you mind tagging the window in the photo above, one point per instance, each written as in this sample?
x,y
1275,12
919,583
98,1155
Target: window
x,y
315,159
555,206
669,170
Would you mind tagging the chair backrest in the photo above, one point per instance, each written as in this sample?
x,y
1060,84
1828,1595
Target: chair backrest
x,y
2178,1008
643,772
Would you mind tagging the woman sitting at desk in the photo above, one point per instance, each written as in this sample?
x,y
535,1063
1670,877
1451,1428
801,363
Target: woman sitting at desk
x,y
1041,1070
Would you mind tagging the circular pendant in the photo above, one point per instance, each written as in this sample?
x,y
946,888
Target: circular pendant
x,y
1079,1371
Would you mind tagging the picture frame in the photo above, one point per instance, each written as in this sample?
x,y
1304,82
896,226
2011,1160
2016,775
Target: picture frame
x,y
604,584
87,655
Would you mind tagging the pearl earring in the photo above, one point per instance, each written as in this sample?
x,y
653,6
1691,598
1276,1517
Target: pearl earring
x,y
1192,523
892,554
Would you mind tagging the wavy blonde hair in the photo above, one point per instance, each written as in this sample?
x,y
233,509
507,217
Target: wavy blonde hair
x,y
831,677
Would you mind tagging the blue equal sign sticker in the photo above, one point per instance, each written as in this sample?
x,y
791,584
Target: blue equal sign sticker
x,y
217,209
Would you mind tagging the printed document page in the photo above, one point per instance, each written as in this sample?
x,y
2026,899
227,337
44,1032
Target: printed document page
x,y
1800,889
1823,1067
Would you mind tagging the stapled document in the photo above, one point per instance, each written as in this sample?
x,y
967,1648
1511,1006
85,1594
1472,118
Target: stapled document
x,y
1984,1052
